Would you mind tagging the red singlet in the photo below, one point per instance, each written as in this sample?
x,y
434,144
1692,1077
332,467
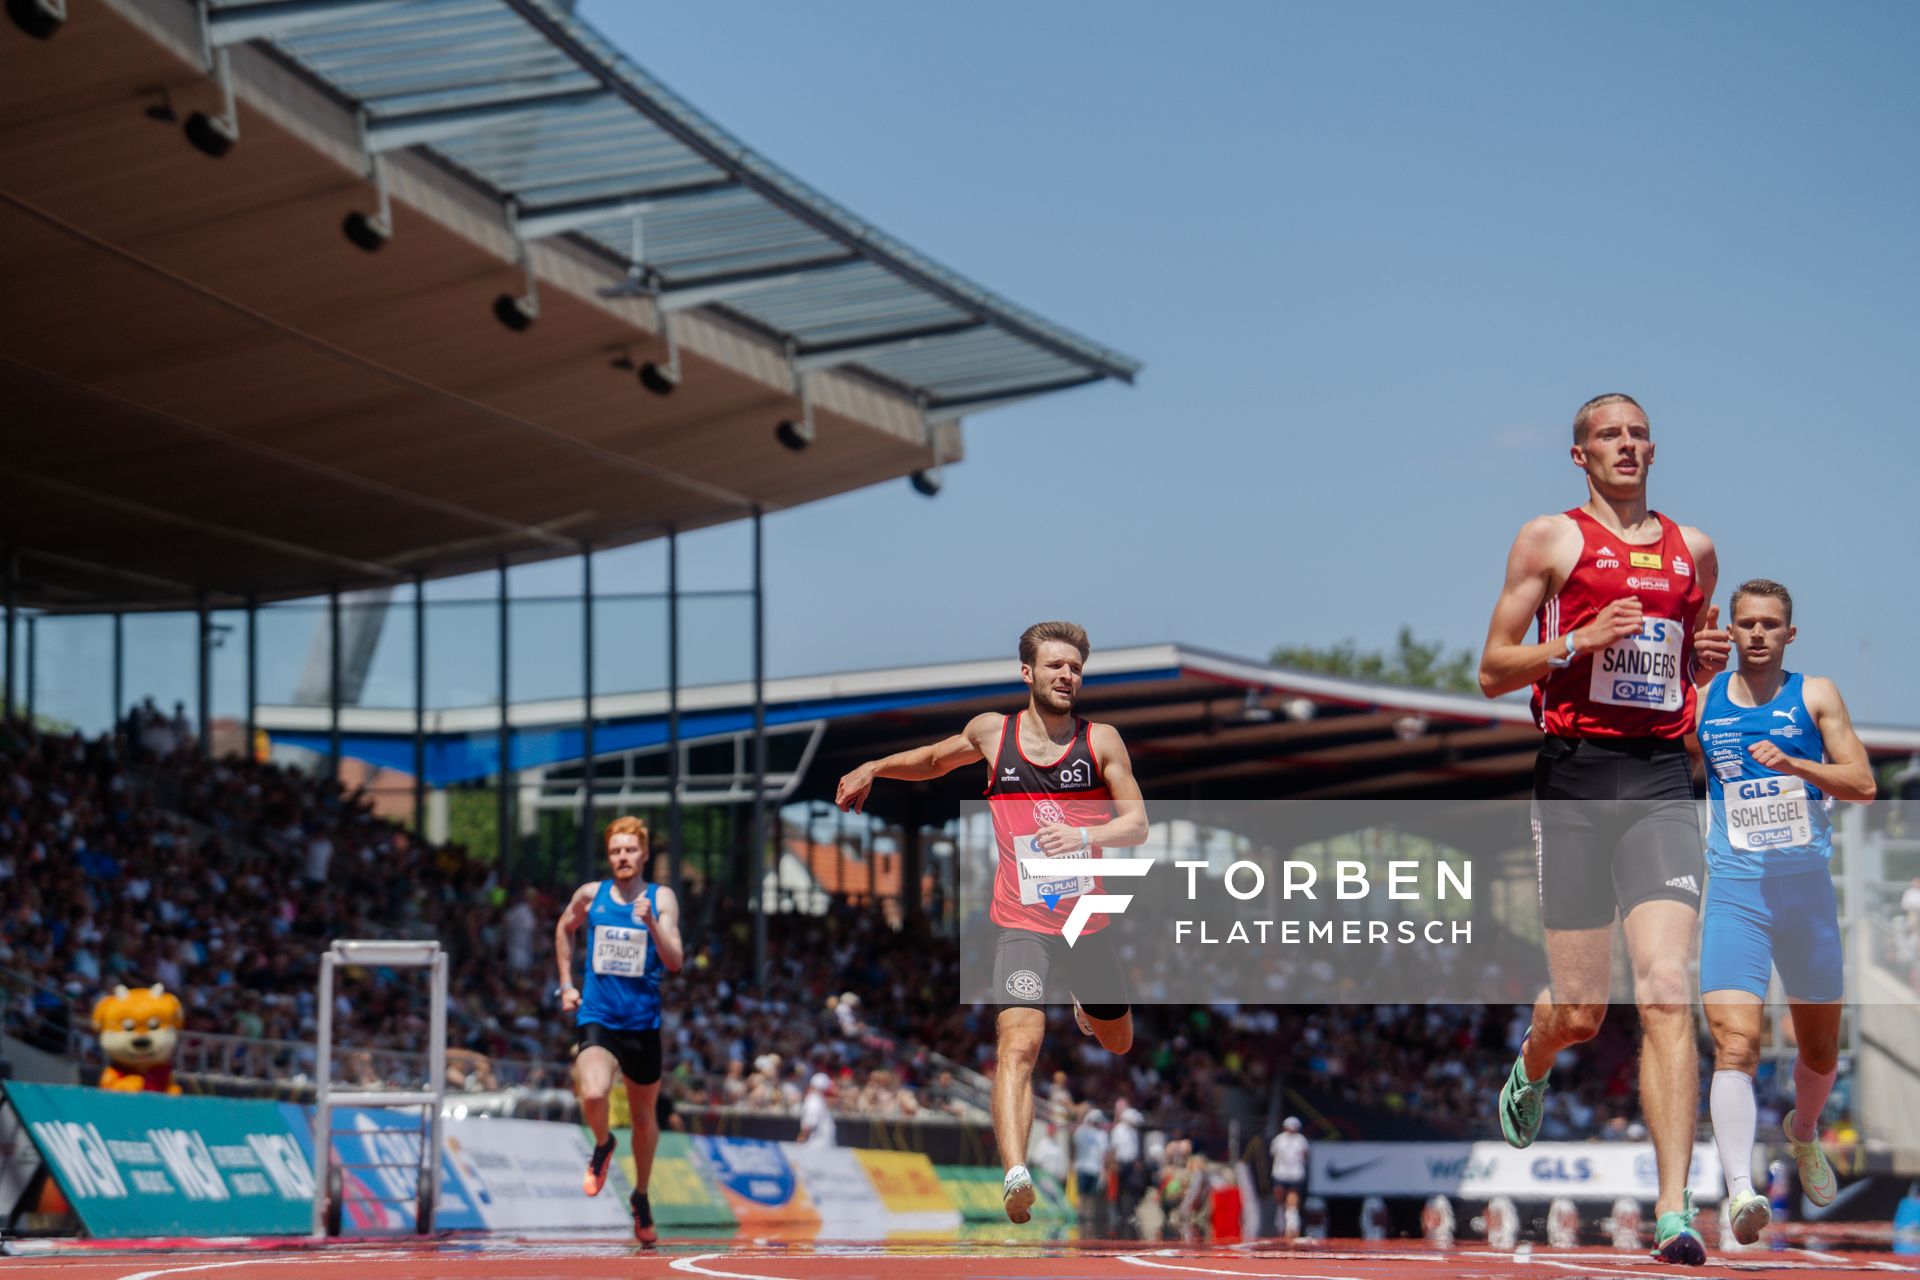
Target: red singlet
x,y
1639,687
1025,796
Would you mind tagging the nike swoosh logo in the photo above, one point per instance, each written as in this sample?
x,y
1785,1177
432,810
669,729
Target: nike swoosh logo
x,y
1814,1213
1338,1171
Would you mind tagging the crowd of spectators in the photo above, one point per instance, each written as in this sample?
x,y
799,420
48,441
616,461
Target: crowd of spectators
x,y
131,858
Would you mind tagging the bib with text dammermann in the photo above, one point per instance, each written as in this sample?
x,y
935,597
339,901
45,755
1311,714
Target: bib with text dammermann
x,y
1048,889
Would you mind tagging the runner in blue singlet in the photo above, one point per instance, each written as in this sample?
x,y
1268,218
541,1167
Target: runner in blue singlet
x,y
1779,749
633,941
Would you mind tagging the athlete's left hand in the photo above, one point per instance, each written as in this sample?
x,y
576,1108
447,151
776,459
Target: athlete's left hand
x,y
1769,756
1712,646
1057,838
643,912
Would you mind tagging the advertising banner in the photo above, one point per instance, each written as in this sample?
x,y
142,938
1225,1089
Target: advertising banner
x,y
525,1175
1479,1170
377,1151
760,1186
142,1164
841,1192
910,1190
682,1197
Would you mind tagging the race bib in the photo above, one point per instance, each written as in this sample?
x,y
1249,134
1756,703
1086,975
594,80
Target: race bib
x,y
1036,890
619,952
1768,813
1642,670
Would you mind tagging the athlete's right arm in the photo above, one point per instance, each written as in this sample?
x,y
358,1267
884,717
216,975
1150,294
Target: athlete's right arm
x,y
1509,660
933,761
570,921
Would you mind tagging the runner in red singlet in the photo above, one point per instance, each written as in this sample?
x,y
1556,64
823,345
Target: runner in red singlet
x,y
1614,592
1059,786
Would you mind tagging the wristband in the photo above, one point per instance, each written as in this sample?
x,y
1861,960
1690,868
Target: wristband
x,y
1084,842
562,990
1565,660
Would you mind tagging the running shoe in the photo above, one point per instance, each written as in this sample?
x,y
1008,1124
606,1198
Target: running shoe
x,y
1816,1175
597,1168
1523,1104
642,1220
1017,1194
1750,1214
1675,1240
1081,1020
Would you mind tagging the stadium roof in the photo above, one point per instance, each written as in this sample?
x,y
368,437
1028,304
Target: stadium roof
x,y
235,398
1199,725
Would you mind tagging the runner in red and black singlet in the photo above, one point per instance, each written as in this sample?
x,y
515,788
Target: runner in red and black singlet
x,y
1025,796
1060,787
1615,591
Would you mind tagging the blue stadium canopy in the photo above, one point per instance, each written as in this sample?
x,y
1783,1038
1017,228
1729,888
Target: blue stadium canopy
x,y
541,112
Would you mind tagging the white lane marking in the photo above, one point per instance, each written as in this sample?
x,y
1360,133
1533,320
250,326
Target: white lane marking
x,y
693,1265
1588,1267
1135,1259
200,1266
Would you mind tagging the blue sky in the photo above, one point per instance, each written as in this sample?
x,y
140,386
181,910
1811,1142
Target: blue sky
x,y
1373,255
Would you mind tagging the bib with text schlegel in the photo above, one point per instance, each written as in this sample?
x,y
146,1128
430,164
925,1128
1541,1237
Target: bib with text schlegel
x,y
1642,670
1768,813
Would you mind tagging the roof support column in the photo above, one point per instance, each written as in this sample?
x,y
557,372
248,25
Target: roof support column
x,y
119,666
673,710
33,635
420,705
503,807
253,675
6,556
587,764
333,685
203,676
757,864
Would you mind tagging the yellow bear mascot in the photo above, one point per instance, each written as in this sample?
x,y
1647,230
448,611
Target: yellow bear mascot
x,y
138,1032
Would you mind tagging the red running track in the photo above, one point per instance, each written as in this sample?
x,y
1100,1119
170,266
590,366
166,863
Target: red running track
x,y
949,1260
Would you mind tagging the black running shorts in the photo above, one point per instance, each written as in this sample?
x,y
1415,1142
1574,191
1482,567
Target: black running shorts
x,y
1040,968
1615,824
637,1052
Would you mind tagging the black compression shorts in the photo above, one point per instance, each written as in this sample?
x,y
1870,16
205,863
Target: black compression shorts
x,y
636,1052
1615,824
1040,968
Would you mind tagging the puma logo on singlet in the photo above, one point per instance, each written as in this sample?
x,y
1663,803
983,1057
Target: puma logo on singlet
x,y
1790,713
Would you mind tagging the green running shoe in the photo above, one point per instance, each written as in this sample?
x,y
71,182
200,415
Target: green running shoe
x,y
1675,1240
1750,1214
1816,1175
1523,1103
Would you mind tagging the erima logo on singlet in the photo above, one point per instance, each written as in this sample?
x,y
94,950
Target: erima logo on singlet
x,y
1010,773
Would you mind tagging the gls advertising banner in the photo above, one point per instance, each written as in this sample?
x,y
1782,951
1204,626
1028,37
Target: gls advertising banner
x,y
154,1165
1479,1170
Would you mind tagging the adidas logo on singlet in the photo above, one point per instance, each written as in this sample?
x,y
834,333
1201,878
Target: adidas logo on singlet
x,y
1606,551
1684,882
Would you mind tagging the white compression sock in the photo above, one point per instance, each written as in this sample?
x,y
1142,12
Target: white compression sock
x,y
1730,1104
